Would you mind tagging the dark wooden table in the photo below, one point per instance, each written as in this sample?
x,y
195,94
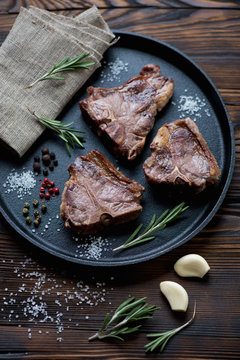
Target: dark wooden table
x,y
76,298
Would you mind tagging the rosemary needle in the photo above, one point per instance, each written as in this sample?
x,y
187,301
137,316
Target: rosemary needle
x,y
153,227
68,135
129,311
161,339
65,64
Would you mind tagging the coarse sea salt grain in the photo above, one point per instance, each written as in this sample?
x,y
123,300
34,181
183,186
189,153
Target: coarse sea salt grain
x,y
191,105
36,293
92,247
112,70
22,183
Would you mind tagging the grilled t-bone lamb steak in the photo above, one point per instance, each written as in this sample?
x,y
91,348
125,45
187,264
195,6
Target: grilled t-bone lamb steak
x,y
126,113
98,195
180,156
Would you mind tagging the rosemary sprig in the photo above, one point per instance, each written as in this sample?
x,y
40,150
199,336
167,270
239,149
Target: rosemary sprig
x,y
129,311
153,227
65,65
161,339
68,135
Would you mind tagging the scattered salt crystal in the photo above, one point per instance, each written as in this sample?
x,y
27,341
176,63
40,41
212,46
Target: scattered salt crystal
x,y
22,183
191,105
207,112
92,248
113,69
34,297
58,303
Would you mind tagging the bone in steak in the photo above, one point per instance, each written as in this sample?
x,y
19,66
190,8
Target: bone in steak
x,y
126,114
98,195
180,156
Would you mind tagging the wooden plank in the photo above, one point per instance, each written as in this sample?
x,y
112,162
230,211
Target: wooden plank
x,y
201,31
173,26
213,53
222,254
13,6
6,6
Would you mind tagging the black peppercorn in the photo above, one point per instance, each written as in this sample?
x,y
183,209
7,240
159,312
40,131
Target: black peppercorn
x,y
51,167
46,159
45,172
52,155
28,220
25,211
45,151
55,163
36,167
36,158
35,203
44,208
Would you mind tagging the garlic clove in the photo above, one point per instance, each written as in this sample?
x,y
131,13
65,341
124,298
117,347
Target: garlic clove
x,y
175,294
191,265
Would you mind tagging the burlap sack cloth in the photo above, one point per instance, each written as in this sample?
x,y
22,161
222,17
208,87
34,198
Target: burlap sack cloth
x,y
39,39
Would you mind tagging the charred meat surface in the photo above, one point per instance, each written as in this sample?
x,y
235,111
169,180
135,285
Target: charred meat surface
x,y
98,195
180,156
126,114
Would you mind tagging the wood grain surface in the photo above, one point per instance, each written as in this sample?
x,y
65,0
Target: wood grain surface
x,y
209,32
12,6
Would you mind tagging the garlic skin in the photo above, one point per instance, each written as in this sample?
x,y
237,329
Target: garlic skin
x,y
191,265
175,294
